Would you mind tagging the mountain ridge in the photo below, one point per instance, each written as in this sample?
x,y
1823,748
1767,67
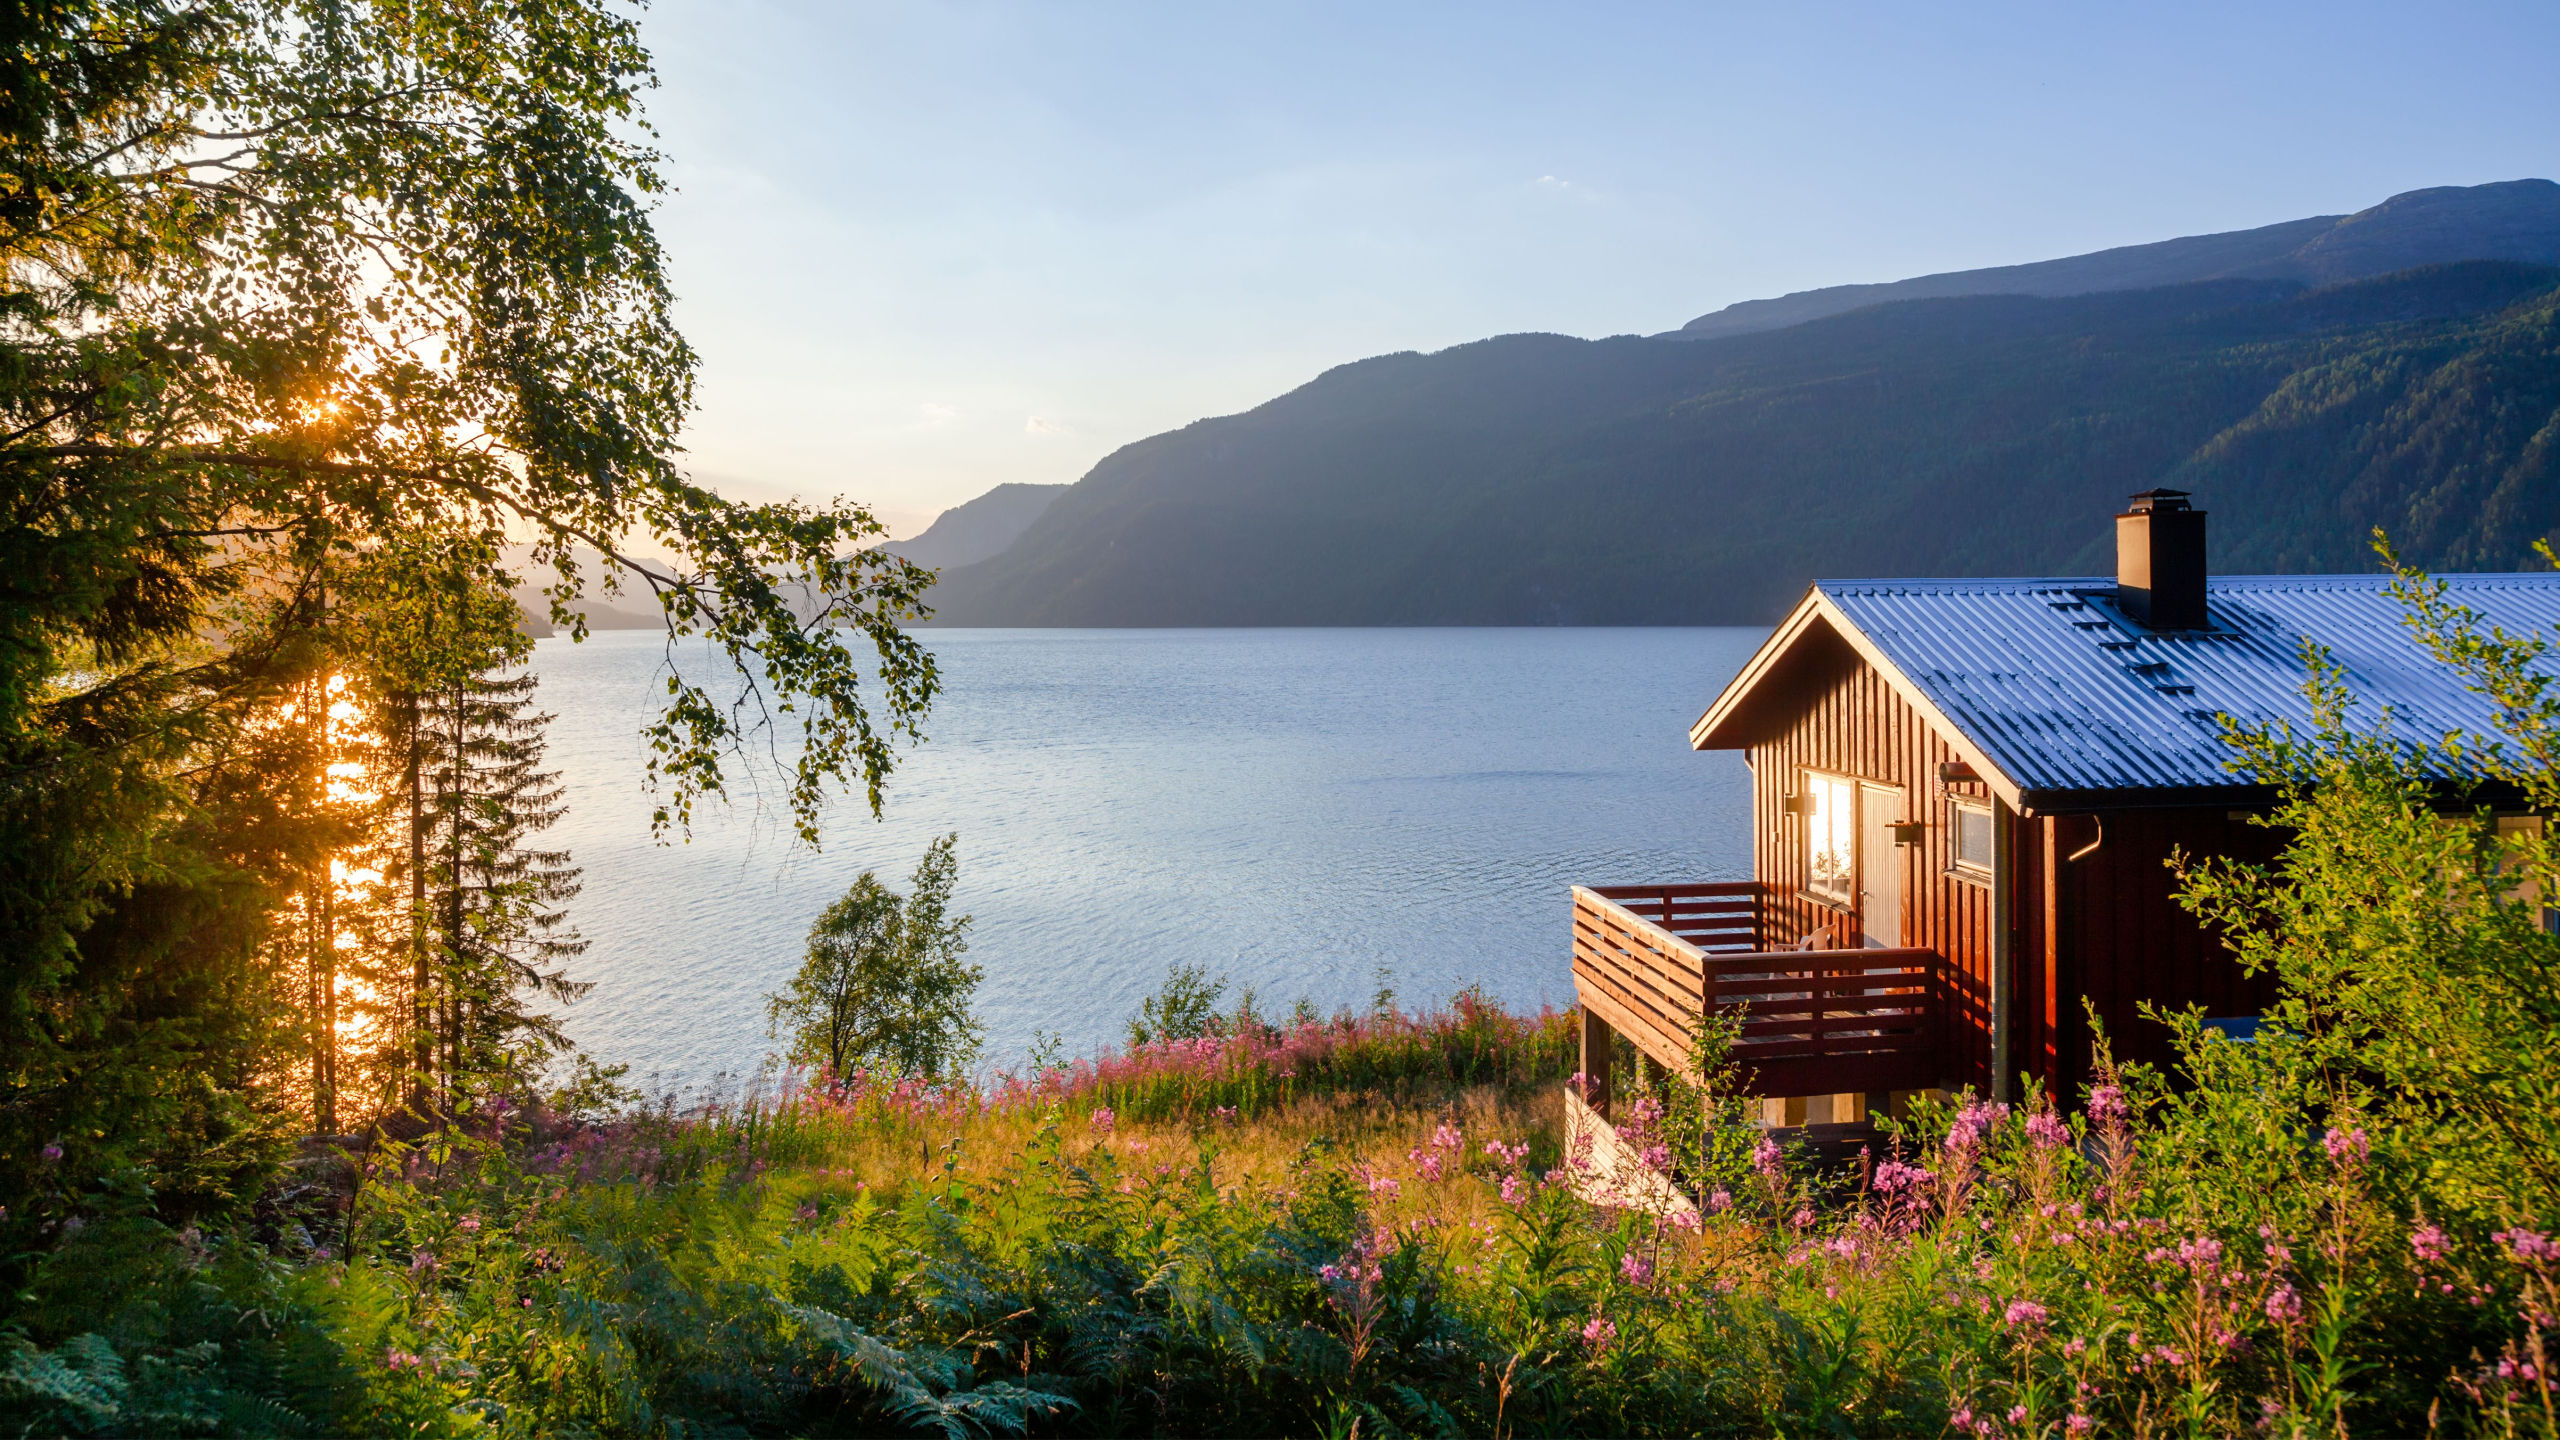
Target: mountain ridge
x,y
2504,220
1540,479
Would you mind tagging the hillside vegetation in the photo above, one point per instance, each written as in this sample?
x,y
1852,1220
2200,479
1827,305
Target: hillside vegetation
x,y
1539,479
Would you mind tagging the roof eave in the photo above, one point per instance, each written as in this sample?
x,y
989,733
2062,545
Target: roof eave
x,y
1818,606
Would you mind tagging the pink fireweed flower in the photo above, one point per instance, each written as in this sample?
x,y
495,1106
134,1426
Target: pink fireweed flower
x,y
2017,1414
1768,1160
1971,1124
1688,1219
1226,1113
470,1224
1802,1218
1656,1158
1426,1163
1720,1201
2430,1243
1103,1120
2346,1147
1443,1137
1384,1185
2107,1107
1513,1191
2046,1130
2079,1424
2024,1315
1634,1268
2284,1304
421,1262
1598,1334
50,1153
2526,1245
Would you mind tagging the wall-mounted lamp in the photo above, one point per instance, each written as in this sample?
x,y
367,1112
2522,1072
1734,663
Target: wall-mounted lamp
x,y
1908,832
1956,772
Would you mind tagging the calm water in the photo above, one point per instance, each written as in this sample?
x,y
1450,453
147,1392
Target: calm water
x,y
1292,808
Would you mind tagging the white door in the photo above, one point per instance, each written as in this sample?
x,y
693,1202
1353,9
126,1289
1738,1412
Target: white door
x,y
1879,866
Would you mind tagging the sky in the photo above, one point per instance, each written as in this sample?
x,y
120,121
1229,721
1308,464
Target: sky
x,y
925,250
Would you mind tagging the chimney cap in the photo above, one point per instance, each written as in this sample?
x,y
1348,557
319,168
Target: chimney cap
x,y
2148,501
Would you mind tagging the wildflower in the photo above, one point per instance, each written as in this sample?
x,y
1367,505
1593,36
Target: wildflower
x,y
1634,1268
470,1224
2346,1147
1656,1158
1893,1178
51,1153
2107,1107
2430,1243
2077,1348
2079,1424
2527,1245
1972,1124
2017,1414
1426,1163
2025,1315
1720,1201
1765,1158
1383,1185
2284,1304
1445,1137
1226,1113
1103,1120
1598,1334
421,1262
2046,1130
1688,1219
1802,1217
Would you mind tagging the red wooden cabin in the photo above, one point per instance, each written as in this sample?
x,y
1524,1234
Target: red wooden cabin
x,y
1965,794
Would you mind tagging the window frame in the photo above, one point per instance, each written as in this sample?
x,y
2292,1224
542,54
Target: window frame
x,y
1972,872
1811,782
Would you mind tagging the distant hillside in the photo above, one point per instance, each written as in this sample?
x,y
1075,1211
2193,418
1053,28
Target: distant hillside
x,y
966,534
2512,220
1538,479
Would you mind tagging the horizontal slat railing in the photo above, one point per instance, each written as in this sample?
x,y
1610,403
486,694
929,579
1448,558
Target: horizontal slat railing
x,y
1724,916
1648,959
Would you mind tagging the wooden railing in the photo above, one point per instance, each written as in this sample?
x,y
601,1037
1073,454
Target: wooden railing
x,y
1811,1022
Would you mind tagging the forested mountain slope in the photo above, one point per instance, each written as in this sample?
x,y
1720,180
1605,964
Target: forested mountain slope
x,y
2508,220
1539,479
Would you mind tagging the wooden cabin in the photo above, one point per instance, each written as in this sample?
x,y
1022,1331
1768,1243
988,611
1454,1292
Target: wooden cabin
x,y
1965,794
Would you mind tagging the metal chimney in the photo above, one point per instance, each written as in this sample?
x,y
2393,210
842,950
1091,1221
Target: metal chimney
x,y
2160,562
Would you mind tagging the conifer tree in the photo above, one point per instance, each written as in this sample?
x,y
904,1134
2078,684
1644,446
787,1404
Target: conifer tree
x,y
494,898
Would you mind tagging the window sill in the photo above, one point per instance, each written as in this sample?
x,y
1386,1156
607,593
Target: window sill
x,y
1836,903
1980,879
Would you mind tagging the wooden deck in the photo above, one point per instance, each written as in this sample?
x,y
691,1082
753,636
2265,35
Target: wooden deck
x,y
1648,960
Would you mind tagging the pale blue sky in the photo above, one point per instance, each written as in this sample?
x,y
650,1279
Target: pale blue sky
x,y
926,249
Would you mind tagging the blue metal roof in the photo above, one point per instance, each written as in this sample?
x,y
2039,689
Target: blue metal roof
x,y
2061,693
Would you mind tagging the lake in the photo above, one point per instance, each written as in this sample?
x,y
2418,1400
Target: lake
x,y
1298,810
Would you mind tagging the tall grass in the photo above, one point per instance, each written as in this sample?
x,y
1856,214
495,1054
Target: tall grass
x,y
1369,1225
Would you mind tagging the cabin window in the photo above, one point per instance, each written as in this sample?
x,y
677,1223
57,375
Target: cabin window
x,y
1971,824
1831,837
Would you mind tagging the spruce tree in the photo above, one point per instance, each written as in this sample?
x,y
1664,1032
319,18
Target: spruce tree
x,y
494,898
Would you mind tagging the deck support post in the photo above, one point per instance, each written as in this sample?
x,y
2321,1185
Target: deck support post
x,y
1595,1063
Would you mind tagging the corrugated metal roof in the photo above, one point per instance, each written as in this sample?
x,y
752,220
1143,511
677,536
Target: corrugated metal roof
x,y
2062,694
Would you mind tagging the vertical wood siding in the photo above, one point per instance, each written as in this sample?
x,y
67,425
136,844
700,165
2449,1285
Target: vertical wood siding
x,y
2106,926
1853,724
